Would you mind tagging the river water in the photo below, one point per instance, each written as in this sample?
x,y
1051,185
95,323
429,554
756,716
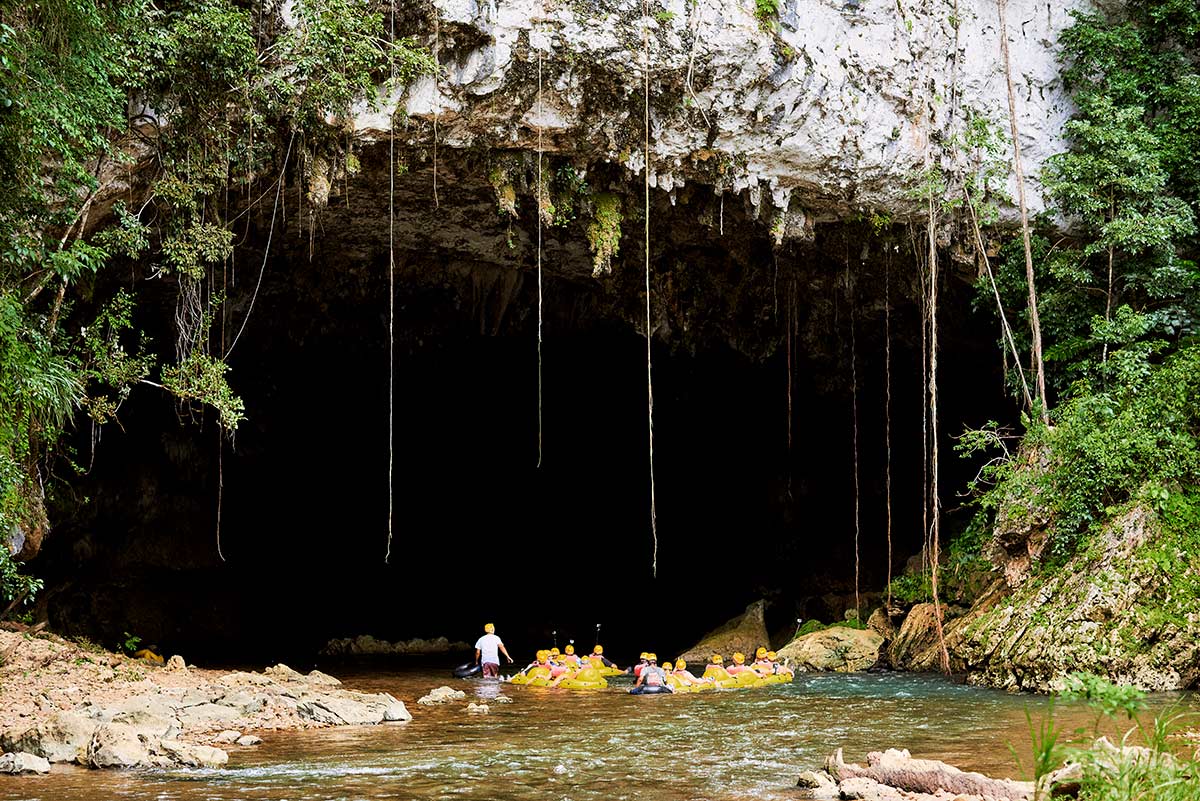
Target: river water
x,y
607,745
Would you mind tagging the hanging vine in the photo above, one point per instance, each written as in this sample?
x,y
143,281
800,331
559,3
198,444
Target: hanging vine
x,y
646,234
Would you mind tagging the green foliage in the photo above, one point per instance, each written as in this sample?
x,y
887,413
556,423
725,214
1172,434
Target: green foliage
x,y
130,643
1104,696
604,231
767,13
13,583
910,589
1134,441
1151,769
83,85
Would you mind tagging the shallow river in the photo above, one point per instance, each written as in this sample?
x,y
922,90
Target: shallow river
x,y
558,744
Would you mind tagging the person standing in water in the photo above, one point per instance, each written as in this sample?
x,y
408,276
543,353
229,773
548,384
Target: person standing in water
x,y
487,652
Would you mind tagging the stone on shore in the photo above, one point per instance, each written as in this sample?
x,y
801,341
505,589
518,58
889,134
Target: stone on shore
x,y
21,762
442,695
249,740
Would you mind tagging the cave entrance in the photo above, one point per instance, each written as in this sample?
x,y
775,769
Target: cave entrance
x,y
480,531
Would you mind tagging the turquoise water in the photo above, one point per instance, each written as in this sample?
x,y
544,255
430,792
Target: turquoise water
x,y
558,744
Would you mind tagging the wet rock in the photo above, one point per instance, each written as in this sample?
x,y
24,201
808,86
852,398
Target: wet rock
x,y
392,710
502,699
61,737
190,756
175,664
744,633
477,709
837,648
115,745
340,710
248,740
819,781
442,695
21,762
881,623
228,736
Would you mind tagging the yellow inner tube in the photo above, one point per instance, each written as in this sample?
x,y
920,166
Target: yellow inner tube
x,y
529,676
586,679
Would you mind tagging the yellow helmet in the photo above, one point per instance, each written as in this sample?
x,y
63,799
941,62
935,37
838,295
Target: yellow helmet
x,y
772,655
543,655
570,649
652,657
680,664
599,649
489,628
717,659
760,653
645,655
739,658
667,666
554,652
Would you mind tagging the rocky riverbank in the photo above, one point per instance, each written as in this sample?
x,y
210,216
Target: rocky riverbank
x,y
66,702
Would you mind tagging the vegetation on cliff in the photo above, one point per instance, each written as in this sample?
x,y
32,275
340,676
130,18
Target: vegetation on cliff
x,y
202,110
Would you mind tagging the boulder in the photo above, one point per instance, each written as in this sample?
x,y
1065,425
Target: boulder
x,y
21,762
249,740
744,633
910,650
228,736
60,737
391,709
340,710
244,701
477,709
442,695
282,672
881,623
149,715
115,745
837,648
176,663
190,756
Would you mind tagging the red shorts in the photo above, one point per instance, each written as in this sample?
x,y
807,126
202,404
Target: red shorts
x,y
491,670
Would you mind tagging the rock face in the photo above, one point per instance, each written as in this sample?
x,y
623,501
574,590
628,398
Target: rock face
x,y
915,645
841,649
743,633
1112,610
831,112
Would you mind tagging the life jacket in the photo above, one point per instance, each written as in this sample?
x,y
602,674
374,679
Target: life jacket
x,y
558,670
733,670
637,669
572,658
653,678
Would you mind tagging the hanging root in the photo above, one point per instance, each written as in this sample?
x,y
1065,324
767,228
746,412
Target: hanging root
x,y
935,555
392,295
646,188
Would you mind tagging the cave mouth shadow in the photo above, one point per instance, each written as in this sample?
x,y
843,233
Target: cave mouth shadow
x,y
480,531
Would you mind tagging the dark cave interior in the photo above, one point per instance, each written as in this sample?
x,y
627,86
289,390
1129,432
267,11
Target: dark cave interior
x,y
480,531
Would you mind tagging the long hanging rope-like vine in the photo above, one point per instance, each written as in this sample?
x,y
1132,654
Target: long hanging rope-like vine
x,y
539,251
646,233
935,555
854,424
392,289
887,416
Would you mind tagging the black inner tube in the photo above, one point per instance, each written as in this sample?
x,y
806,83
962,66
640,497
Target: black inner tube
x,y
467,670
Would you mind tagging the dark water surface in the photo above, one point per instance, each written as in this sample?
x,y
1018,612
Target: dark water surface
x,y
558,744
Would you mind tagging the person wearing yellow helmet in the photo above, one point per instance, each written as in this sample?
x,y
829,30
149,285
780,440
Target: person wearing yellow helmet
x,y
739,664
779,667
643,659
684,675
651,678
715,670
763,666
598,659
487,652
569,656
